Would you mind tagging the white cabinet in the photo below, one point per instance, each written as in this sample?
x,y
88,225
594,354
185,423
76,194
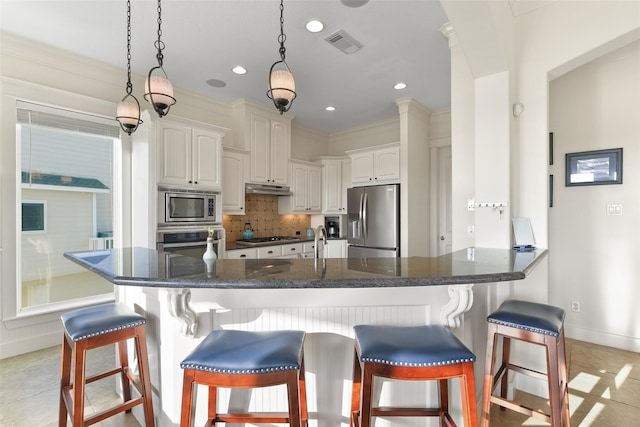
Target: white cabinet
x,y
336,249
294,250
270,145
306,186
234,168
336,178
189,156
375,165
250,253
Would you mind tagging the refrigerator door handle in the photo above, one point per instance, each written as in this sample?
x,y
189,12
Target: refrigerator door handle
x,y
364,215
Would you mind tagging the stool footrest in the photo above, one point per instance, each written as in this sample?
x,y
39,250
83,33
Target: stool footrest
x,y
517,407
126,406
254,417
389,411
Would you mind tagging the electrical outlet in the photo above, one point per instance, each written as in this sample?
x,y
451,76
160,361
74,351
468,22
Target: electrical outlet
x,y
575,306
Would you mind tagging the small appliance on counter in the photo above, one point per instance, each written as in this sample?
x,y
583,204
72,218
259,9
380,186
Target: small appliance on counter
x,y
332,225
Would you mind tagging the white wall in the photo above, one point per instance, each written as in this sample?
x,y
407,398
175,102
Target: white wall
x,y
547,41
595,256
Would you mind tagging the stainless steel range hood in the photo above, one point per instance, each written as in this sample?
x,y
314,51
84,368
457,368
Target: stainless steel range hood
x,y
276,190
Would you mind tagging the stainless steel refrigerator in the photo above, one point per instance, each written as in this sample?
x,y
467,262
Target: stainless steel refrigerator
x,y
373,221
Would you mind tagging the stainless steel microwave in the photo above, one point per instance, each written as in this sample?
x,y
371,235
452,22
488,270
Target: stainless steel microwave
x,y
177,207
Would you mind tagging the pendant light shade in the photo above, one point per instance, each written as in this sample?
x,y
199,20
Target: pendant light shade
x,y
158,90
282,86
128,114
128,110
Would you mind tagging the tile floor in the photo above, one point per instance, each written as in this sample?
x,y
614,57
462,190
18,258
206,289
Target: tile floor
x,y
604,389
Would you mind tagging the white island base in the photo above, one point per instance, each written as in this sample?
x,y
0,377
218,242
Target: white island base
x,y
328,316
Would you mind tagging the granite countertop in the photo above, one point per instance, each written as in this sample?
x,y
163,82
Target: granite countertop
x,y
148,267
232,245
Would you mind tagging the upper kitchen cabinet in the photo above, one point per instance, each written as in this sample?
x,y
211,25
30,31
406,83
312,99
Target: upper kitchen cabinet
x,y
336,178
376,165
189,155
306,187
267,136
234,171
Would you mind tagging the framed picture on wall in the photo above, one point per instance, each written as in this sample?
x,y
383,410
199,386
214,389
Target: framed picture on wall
x,y
599,167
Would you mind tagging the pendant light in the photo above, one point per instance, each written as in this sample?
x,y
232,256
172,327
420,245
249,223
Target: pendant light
x,y
128,110
282,86
158,88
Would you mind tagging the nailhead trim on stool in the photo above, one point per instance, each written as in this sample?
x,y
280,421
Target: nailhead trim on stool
x,y
410,353
534,323
242,359
94,327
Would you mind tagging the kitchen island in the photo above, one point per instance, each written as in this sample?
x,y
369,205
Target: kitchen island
x,y
185,298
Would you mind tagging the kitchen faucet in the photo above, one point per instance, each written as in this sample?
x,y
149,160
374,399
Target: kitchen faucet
x,y
316,247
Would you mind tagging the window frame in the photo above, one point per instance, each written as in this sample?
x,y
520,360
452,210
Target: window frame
x,y
44,215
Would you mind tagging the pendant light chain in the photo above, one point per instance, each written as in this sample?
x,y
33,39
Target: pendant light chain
x,y
129,85
282,37
159,43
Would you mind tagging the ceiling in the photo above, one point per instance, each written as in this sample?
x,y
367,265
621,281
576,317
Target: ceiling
x,y
205,39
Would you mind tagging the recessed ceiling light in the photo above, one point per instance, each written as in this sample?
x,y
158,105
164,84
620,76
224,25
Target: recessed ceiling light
x,y
314,26
239,69
216,83
399,86
330,108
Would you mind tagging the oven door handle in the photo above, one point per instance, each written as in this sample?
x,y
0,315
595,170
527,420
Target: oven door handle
x,y
187,244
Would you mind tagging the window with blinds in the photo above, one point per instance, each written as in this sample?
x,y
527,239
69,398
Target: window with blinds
x,y
66,163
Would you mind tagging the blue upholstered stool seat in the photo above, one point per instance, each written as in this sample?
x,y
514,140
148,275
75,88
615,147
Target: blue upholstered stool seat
x,y
432,345
531,316
410,353
92,321
242,352
94,327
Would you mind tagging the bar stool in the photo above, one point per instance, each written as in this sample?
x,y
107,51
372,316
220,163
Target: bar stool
x,y
410,353
90,328
241,359
534,323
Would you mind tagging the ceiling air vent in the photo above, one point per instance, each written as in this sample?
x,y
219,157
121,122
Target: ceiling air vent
x,y
343,41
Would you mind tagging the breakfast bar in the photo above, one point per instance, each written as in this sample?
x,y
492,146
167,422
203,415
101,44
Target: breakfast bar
x,y
185,298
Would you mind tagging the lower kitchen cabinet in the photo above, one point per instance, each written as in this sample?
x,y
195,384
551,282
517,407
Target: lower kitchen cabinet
x,y
336,248
250,253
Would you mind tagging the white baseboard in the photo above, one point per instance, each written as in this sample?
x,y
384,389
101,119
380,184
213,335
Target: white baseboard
x,y
29,344
602,338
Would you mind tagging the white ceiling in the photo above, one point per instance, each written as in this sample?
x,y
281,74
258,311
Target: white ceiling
x,y
205,39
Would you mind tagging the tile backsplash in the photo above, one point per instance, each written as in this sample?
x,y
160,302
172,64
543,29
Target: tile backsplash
x,y
262,213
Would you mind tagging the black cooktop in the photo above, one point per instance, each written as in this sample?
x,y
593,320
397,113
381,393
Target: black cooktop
x,y
267,240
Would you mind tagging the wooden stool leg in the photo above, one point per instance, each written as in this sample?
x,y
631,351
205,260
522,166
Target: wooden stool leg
x,y
506,355
564,376
487,387
355,389
123,356
145,375
213,405
366,396
65,379
443,386
186,411
553,371
468,390
304,413
293,392
79,364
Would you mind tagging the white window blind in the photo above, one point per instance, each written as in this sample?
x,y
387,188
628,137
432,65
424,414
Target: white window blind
x,y
41,115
